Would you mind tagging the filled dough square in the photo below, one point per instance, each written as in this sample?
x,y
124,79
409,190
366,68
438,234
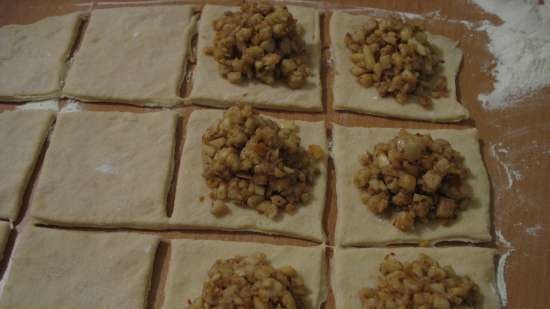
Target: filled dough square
x,y
190,261
349,95
133,55
73,269
210,88
354,269
22,135
33,57
357,225
107,169
192,204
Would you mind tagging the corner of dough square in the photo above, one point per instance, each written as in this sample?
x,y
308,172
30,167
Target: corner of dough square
x,y
191,212
190,261
355,269
74,269
33,57
210,88
133,55
107,169
357,225
22,136
349,95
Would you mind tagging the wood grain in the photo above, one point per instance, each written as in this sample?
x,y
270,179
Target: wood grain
x,y
515,141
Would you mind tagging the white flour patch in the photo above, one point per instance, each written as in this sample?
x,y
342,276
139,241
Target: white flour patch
x,y
107,168
71,107
51,105
498,151
533,230
501,267
521,46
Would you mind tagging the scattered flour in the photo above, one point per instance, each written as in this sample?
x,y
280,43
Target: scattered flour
x,y
501,268
51,105
72,106
533,230
521,46
513,175
107,168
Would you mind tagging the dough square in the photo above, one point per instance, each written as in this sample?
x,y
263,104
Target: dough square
x,y
354,269
357,225
22,135
133,55
349,95
190,261
107,169
191,212
74,269
32,57
210,88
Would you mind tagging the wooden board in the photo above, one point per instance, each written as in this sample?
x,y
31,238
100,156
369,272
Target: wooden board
x,y
515,140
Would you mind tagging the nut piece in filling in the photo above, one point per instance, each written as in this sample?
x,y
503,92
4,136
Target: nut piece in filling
x,y
415,179
394,56
422,283
251,282
260,42
256,163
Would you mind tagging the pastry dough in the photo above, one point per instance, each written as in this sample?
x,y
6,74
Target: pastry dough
x,y
191,259
22,134
32,57
354,269
210,88
5,230
133,55
107,169
190,212
69,269
357,225
351,96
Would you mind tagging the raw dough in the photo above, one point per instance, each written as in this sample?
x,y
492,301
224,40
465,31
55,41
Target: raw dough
x,y
133,55
68,269
191,259
210,88
32,57
190,212
107,169
350,95
5,230
22,135
355,269
357,225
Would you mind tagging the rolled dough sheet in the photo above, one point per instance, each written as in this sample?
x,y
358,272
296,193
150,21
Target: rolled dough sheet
x,y
107,169
22,135
210,88
357,225
191,259
32,57
190,212
349,95
73,269
5,230
133,55
354,269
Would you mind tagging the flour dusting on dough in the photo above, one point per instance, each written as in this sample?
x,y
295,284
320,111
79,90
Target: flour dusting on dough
x,y
107,168
72,106
51,105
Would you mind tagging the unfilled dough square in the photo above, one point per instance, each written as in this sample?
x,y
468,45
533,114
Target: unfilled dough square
x,y
22,135
354,269
72,269
190,212
32,57
190,261
351,96
107,169
133,55
357,225
210,88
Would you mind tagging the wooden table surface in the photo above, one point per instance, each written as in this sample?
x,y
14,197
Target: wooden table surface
x,y
515,141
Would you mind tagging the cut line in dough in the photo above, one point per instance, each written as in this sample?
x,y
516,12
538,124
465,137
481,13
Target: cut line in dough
x,y
211,89
190,261
357,225
190,212
349,95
